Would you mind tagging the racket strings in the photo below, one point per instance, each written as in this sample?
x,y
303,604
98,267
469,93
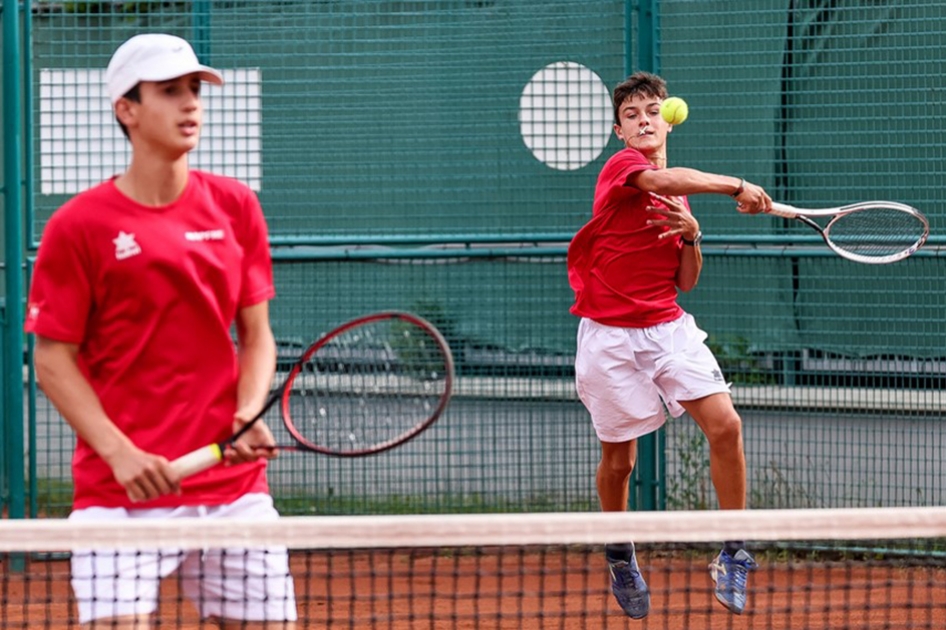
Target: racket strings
x,y
369,386
877,232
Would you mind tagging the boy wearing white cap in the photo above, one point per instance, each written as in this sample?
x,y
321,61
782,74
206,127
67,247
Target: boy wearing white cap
x,y
136,285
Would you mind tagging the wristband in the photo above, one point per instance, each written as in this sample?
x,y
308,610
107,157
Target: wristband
x,y
739,191
694,242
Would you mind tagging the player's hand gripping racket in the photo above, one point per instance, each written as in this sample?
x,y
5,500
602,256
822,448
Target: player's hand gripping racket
x,y
363,388
872,232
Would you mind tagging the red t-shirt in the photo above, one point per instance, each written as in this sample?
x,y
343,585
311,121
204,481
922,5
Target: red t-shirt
x,y
622,275
149,295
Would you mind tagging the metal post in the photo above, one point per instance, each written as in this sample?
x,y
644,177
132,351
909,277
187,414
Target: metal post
x,y
201,39
4,377
13,226
650,473
629,10
648,25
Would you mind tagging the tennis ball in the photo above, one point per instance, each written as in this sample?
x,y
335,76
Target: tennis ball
x,y
674,110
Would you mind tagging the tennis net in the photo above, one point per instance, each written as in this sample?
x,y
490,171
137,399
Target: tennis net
x,y
845,568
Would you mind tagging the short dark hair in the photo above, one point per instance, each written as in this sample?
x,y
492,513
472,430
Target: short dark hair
x,y
134,94
639,83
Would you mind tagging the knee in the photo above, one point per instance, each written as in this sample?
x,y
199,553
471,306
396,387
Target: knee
x,y
725,432
617,465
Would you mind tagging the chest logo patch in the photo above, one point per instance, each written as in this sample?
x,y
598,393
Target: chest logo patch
x,y
126,246
205,235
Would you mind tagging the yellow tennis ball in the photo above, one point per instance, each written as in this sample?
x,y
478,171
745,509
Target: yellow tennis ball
x,y
674,110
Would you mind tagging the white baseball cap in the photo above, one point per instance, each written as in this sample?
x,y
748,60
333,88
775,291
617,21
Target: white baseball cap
x,y
153,57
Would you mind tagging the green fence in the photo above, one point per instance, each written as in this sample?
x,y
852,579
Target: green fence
x,y
437,156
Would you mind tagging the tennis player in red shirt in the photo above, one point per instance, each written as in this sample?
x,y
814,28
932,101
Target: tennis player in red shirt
x,y
638,351
136,285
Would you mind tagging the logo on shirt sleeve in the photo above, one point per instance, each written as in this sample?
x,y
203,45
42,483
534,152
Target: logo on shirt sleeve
x,y
125,246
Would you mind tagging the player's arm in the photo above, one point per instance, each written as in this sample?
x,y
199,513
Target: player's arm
x,y
681,181
678,221
256,353
143,475
691,264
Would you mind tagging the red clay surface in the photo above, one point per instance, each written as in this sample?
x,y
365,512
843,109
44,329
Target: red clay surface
x,y
533,590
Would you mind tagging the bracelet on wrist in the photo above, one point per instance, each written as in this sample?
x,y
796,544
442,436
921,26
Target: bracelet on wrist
x,y
696,240
741,189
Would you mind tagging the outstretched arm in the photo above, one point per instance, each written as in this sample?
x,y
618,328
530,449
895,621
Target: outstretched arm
x,y
681,181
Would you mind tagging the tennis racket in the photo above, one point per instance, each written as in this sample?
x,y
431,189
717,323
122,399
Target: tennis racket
x,y
367,386
872,232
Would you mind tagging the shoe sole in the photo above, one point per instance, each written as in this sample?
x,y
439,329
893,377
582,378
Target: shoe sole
x,y
725,605
633,616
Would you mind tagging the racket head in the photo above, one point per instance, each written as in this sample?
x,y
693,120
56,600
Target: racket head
x,y
877,232
369,385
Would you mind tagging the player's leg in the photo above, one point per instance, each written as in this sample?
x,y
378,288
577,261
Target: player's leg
x,y
115,588
723,428
717,418
614,471
118,588
690,379
613,474
252,589
242,588
619,393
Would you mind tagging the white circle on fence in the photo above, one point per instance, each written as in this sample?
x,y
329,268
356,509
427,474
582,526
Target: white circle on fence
x,y
565,115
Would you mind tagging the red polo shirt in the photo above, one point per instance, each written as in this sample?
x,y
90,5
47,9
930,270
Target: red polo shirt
x,y
149,295
622,275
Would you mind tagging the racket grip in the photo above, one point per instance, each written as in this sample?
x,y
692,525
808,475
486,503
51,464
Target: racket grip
x,y
782,210
198,461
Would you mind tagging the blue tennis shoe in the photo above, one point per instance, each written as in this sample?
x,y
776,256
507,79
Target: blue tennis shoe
x,y
629,587
731,574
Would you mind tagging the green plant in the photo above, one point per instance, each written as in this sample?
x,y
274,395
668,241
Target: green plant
x,y
436,313
773,488
53,497
294,501
738,362
688,488
418,353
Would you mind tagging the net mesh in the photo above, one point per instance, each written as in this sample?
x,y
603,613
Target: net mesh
x,y
846,568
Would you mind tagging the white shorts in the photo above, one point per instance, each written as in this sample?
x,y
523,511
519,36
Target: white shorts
x,y
625,376
240,584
